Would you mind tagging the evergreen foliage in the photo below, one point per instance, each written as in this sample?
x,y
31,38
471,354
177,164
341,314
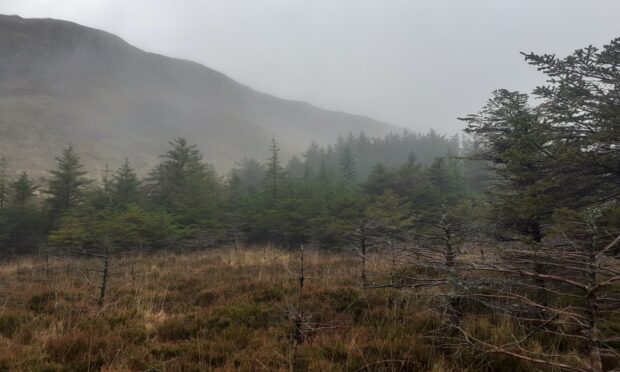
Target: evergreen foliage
x,y
126,186
519,166
67,183
23,191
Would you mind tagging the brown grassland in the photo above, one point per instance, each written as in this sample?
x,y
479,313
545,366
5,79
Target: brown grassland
x,y
226,309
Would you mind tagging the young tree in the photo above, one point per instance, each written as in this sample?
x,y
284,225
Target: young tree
x,y
67,184
126,186
558,184
183,184
275,173
515,141
313,157
21,221
444,222
23,190
250,174
475,169
347,165
103,235
445,179
580,303
582,106
100,196
295,169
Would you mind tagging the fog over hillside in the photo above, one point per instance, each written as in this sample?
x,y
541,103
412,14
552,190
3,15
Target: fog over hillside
x,y
166,214
61,82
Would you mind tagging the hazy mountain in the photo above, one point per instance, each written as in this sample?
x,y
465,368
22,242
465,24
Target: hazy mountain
x,y
62,82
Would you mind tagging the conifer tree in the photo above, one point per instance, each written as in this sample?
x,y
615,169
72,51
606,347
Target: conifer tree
x,y
445,179
107,180
295,168
182,183
514,140
23,225
126,186
101,196
347,165
312,159
23,190
582,108
251,175
275,173
66,186
154,186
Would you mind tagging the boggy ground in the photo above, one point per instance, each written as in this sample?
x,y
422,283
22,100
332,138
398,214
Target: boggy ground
x,y
222,309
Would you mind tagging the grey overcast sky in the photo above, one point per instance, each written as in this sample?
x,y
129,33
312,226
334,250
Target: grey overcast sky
x,y
416,64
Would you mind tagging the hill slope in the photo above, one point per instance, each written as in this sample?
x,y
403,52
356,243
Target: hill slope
x,y
62,82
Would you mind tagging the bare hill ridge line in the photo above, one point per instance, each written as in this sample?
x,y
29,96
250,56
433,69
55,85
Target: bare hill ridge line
x,y
62,82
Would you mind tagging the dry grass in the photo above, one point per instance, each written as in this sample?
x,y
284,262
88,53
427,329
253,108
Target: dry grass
x,y
220,309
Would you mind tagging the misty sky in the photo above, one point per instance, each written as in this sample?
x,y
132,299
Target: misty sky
x,y
417,64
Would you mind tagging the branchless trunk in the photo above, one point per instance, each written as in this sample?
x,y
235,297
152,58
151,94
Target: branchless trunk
x,y
591,330
104,275
538,267
297,315
363,247
454,305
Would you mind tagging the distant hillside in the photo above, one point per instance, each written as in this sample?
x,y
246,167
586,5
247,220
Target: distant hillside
x,y
62,82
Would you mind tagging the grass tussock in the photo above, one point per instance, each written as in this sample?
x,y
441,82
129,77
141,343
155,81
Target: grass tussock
x,y
224,310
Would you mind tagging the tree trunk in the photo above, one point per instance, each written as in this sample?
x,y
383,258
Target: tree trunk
x,y
541,294
104,279
363,254
454,303
592,331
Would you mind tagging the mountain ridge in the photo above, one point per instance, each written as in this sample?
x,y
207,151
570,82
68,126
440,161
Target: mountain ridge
x,y
61,81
